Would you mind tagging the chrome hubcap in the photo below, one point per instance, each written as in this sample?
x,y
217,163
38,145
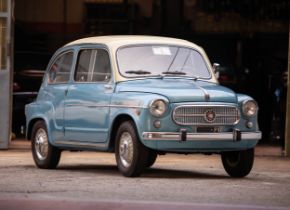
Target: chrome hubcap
x,y
126,149
41,144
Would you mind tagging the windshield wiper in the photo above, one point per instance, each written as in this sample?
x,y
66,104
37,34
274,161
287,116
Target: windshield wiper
x,y
174,72
137,72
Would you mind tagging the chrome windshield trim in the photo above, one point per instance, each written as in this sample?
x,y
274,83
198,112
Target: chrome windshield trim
x,y
176,136
208,68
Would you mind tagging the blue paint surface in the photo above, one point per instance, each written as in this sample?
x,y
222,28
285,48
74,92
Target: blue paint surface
x,y
81,115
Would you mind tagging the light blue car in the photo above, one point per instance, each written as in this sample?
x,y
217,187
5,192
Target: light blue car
x,y
139,96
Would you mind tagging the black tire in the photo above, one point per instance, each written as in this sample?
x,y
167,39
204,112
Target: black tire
x,y
48,156
238,163
131,159
152,156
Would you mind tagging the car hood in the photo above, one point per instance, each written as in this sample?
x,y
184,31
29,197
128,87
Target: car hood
x,y
180,90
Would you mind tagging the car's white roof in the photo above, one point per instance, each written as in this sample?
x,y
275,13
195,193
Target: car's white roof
x,y
117,41
114,42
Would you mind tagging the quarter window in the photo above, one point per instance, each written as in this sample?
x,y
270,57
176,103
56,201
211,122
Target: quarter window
x,y
59,71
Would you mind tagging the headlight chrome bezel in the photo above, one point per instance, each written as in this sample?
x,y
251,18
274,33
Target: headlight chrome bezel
x,y
154,107
250,108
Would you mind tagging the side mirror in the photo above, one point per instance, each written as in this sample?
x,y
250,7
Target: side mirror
x,y
215,67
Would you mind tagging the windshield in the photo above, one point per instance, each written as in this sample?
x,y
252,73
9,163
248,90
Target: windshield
x,y
147,61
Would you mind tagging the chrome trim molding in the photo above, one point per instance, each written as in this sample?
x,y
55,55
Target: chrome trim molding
x,y
197,117
243,105
206,94
93,105
176,136
77,143
127,106
153,101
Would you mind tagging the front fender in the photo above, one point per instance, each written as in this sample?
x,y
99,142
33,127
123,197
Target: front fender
x,y
244,119
136,106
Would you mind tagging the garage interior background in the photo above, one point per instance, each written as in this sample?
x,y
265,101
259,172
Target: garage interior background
x,y
248,38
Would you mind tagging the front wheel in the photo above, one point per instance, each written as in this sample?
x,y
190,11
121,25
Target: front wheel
x,y
44,154
131,155
238,163
152,156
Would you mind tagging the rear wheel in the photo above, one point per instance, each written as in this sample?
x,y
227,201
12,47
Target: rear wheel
x,y
131,155
44,154
238,163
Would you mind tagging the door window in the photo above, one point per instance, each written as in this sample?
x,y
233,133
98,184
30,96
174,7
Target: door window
x,y
83,66
93,66
59,71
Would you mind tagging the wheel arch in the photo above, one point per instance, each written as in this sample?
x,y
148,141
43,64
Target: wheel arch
x,y
31,124
115,125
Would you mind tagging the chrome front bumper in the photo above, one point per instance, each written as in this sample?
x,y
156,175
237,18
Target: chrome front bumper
x,y
236,135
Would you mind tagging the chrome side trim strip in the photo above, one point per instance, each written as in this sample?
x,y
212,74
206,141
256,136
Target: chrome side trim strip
x,y
127,106
175,136
93,105
77,143
206,94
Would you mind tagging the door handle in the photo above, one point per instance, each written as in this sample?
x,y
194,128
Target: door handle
x,y
108,86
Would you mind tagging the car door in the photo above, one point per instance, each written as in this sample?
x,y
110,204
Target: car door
x,y
57,83
88,99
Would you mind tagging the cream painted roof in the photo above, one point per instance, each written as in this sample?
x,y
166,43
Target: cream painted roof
x,y
117,41
114,42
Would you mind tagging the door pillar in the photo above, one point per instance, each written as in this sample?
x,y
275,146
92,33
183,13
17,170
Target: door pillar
x,y
287,126
6,56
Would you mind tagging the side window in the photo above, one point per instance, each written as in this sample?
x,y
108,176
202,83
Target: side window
x,y
93,65
83,66
60,70
102,67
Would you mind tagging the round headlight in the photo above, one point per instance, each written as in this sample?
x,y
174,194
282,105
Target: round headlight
x,y
250,108
158,107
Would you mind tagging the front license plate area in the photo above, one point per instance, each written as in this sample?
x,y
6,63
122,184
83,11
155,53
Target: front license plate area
x,y
207,129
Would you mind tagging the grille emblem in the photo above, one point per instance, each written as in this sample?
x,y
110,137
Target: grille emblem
x,y
210,115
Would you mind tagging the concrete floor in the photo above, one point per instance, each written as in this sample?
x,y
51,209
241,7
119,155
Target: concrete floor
x,y
174,180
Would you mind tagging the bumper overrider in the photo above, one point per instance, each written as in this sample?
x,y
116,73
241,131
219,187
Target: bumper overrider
x,y
183,135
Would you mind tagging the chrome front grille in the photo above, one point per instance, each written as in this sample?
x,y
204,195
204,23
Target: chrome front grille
x,y
206,115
